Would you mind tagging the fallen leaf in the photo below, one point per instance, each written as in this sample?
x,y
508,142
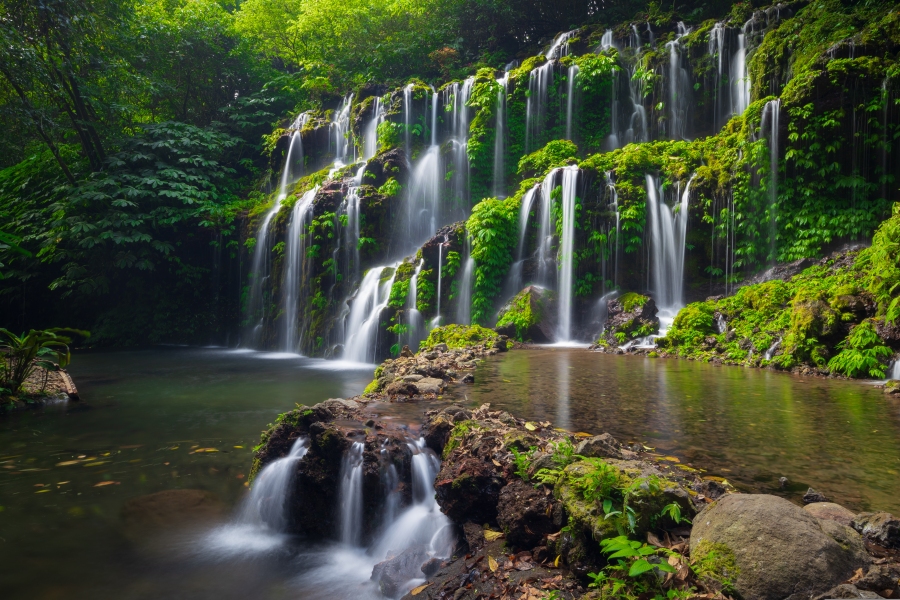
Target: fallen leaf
x,y
556,562
96,463
492,563
419,590
496,462
671,459
199,450
66,463
653,540
42,491
582,434
492,535
105,483
530,426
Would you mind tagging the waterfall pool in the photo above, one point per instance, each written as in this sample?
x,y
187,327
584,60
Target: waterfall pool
x,y
188,418
750,426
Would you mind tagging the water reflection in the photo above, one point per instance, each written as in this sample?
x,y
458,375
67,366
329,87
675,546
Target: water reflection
x,y
751,426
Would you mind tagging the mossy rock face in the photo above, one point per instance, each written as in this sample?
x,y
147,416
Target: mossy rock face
x,y
629,317
773,548
530,316
460,336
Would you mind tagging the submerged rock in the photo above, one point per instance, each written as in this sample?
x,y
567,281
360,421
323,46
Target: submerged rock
x,y
392,574
775,548
812,496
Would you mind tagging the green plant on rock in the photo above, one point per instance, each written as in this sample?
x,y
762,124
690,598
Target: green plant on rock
x,y
460,336
493,227
524,311
556,153
23,354
862,353
630,570
390,188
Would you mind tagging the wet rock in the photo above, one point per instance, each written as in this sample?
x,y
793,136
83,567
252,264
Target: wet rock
x,y
530,316
540,461
431,566
830,512
474,535
430,385
401,388
846,590
711,489
406,352
468,489
412,378
600,446
811,496
527,514
782,482
468,378
393,573
778,548
628,317
880,527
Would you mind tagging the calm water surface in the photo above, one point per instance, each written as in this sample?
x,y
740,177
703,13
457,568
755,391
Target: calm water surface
x,y
67,471
750,426
144,415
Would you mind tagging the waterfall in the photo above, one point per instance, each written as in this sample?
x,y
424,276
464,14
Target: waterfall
x,y
459,136
416,329
570,99
296,143
566,252
515,280
716,49
895,370
436,321
423,202
259,267
560,45
614,204
351,209
407,116
546,232
679,87
500,137
340,131
464,302
740,79
361,330
265,506
295,257
637,130
607,42
770,117
536,105
667,231
351,495
370,134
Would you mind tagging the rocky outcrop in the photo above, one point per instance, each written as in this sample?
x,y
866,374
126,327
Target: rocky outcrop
x,y
879,527
530,316
629,317
776,549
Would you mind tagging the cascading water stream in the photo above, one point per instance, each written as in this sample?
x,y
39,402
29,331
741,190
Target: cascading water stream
x,y
546,232
536,104
295,259
668,232
464,303
265,505
352,495
361,329
740,79
500,135
560,45
460,118
259,267
895,370
770,117
679,87
423,203
340,132
570,100
566,252
415,326
515,271
295,146
370,134
436,321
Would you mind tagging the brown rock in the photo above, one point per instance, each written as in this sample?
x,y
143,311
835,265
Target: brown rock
x,y
830,511
527,514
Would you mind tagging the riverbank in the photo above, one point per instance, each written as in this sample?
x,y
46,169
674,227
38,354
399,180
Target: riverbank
x,y
42,386
541,512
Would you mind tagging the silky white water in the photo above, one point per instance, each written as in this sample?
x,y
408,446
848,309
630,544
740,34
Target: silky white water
x,y
295,258
566,253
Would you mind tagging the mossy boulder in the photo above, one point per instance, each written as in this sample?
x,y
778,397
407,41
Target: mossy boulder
x,y
460,336
778,549
530,316
629,317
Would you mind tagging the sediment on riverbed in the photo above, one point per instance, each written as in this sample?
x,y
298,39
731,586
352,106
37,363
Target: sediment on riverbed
x,y
540,512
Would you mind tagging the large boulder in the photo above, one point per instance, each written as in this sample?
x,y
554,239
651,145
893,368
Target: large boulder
x,y
530,316
775,549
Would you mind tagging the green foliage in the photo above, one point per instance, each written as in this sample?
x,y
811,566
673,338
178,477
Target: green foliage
x,y
862,353
522,462
493,227
390,188
715,563
524,311
451,265
632,300
556,153
22,354
460,336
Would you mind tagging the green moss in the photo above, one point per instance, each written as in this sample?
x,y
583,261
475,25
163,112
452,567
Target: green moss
x,y
373,388
525,310
632,300
715,563
556,153
460,336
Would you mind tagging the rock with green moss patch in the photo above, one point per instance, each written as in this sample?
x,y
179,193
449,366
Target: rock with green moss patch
x,y
778,549
530,316
629,317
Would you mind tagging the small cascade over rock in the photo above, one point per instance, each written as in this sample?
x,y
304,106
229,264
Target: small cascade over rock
x,y
516,279
546,232
259,275
570,100
464,303
415,325
266,504
289,172
340,132
679,84
500,135
536,104
361,329
436,321
351,495
370,135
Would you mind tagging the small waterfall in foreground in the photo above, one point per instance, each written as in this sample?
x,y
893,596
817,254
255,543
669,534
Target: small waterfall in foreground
x,y
464,295
266,504
370,134
259,268
361,329
668,231
566,252
500,142
294,262
570,100
295,146
769,126
679,84
352,495
895,370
